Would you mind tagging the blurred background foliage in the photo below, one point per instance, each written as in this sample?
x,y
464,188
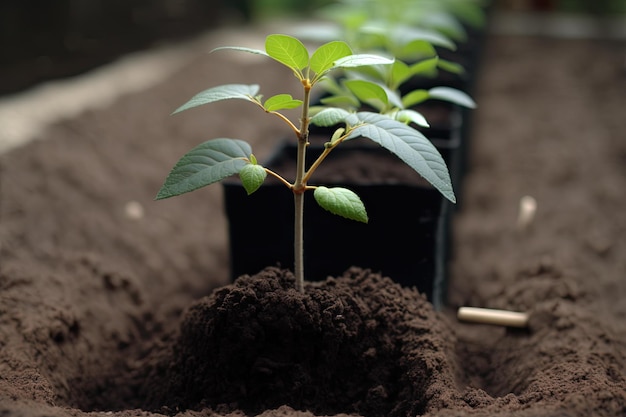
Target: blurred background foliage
x,y
47,39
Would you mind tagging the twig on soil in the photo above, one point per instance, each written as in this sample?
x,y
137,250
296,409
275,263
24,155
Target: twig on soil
x,y
492,316
527,209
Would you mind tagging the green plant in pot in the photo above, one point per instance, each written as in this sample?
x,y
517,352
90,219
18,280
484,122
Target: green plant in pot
x,y
217,159
347,344
390,196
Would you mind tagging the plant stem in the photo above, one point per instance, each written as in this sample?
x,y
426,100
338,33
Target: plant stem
x,y
299,241
299,187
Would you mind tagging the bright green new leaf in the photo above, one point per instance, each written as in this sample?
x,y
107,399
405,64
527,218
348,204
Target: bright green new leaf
x,y
393,96
452,95
281,101
252,176
342,202
360,60
409,145
412,116
416,50
368,92
451,67
288,51
324,57
414,97
427,67
400,72
222,92
332,116
337,134
205,164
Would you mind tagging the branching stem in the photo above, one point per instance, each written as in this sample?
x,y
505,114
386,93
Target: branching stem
x,y
320,159
278,177
286,120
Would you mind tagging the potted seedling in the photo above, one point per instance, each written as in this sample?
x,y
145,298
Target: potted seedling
x,y
397,203
273,338
220,158
407,205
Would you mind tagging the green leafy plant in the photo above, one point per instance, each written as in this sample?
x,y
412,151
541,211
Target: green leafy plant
x,y
442,21
410,30
216,159
379,87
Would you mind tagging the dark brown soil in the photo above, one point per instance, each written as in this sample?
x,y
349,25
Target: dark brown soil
x,y
103,310
358,343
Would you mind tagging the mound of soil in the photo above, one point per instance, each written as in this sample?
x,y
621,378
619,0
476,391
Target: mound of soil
x,y
110,302
360,343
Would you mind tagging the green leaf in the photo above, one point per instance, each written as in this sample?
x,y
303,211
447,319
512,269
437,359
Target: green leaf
x,y
241,49
452,95
400,72
415,97
451,67
324,57
372,72
205,164
222,92
417,49
412,116
342,202
368,92
330,85
427,67
332,115
288,51
337,134
469,12
448,25
281,101
403,35
360,60
252,176
409,145
318,32
344,101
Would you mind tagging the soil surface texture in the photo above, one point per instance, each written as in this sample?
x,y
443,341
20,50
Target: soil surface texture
x,y
113,304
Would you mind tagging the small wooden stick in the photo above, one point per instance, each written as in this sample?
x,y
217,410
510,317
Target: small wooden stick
x,y
527,209
492,316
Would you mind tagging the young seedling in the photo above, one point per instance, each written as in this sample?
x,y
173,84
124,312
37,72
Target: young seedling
x,y
219,158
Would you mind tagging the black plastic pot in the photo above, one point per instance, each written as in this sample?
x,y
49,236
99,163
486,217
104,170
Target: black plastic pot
x,y
407,237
